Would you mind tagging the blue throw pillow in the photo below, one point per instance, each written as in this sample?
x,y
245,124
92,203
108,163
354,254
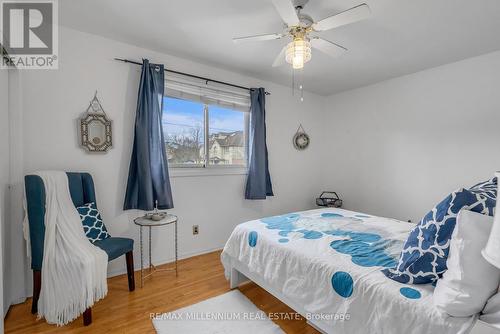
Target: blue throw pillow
x,y
424,255
92,223
487,188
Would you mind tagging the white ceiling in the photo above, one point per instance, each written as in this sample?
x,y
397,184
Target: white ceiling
x,y
403,36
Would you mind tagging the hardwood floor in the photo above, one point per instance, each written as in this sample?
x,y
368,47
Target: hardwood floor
x,y
200,278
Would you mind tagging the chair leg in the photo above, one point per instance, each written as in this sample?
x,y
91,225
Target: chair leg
x,y
37,285
87,317
129,256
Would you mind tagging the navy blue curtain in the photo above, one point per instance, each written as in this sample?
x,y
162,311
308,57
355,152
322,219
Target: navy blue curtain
x,y
148,179
258,181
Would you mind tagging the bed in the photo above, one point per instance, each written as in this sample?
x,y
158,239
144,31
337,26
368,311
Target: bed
x,y
325,264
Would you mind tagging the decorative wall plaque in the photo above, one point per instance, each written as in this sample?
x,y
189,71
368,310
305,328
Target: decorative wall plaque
x,y
95,128
301,139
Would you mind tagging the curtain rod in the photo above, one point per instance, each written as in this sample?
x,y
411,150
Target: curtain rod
x,y
192,76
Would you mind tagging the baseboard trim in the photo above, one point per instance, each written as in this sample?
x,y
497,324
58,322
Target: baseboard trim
x,y
137,266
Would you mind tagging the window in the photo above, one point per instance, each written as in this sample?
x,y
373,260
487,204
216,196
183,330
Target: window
x,y
204,127
183,131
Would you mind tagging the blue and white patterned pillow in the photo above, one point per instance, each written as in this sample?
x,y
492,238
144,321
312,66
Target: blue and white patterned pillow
x,y
487,188
92,223
424,255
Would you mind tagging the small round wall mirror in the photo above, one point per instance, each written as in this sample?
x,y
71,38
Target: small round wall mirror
x,y
95,128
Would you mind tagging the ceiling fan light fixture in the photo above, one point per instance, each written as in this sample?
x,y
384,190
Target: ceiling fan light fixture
x,y
298,52
299,26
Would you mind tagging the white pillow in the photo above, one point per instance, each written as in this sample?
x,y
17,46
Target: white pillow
x,y
470,280
491,312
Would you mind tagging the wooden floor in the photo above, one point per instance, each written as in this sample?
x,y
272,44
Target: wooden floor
x,y
200,278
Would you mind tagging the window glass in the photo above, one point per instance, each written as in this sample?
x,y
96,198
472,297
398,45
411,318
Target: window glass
x,y
183,129
226,137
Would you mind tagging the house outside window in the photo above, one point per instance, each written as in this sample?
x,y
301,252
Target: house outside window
x,y
227,148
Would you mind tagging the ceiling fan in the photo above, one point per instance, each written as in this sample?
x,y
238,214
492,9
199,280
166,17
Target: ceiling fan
x,y
300,27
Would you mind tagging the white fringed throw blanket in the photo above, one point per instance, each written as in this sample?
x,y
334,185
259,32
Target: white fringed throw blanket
x,y
73,271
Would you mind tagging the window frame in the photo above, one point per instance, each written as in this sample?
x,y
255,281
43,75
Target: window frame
x,y
206,168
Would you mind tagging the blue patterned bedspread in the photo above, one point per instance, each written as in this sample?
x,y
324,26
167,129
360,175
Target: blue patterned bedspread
x,y
329,262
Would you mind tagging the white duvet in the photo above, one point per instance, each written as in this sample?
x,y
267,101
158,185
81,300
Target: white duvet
x,y
328,261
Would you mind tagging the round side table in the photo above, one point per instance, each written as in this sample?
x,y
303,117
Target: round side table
x,y
149,223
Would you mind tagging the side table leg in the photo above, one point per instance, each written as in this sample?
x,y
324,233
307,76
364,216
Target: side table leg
x,y
151,266
142,274
175,226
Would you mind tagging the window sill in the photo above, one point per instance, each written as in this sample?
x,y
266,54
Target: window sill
x,y
208,171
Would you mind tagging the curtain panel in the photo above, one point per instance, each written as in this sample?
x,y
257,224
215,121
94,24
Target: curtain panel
x,y
258,184
148,180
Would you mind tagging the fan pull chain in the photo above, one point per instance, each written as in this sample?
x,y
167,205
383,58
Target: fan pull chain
x,y
301,86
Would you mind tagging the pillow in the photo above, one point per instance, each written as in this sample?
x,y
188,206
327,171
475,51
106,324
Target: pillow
x,y
491,312
470,280
487,188
423,258
92,223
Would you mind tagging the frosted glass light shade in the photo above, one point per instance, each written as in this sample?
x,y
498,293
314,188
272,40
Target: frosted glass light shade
x,y
298,52
492,250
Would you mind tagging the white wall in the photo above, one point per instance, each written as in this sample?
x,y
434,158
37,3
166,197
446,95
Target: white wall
x,y
53,101
400,146
4,174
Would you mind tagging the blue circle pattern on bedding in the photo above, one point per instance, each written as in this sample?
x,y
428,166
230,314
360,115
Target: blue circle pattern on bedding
x,y
410,293
424,255
331,215
93,226
365,249
252,239
343,284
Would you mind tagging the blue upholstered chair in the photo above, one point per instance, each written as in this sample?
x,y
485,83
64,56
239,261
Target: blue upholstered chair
x,y
82,191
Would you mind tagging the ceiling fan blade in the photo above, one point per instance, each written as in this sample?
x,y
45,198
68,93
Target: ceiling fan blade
x,y
330,48
257,38
280,59
352,15
287,12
